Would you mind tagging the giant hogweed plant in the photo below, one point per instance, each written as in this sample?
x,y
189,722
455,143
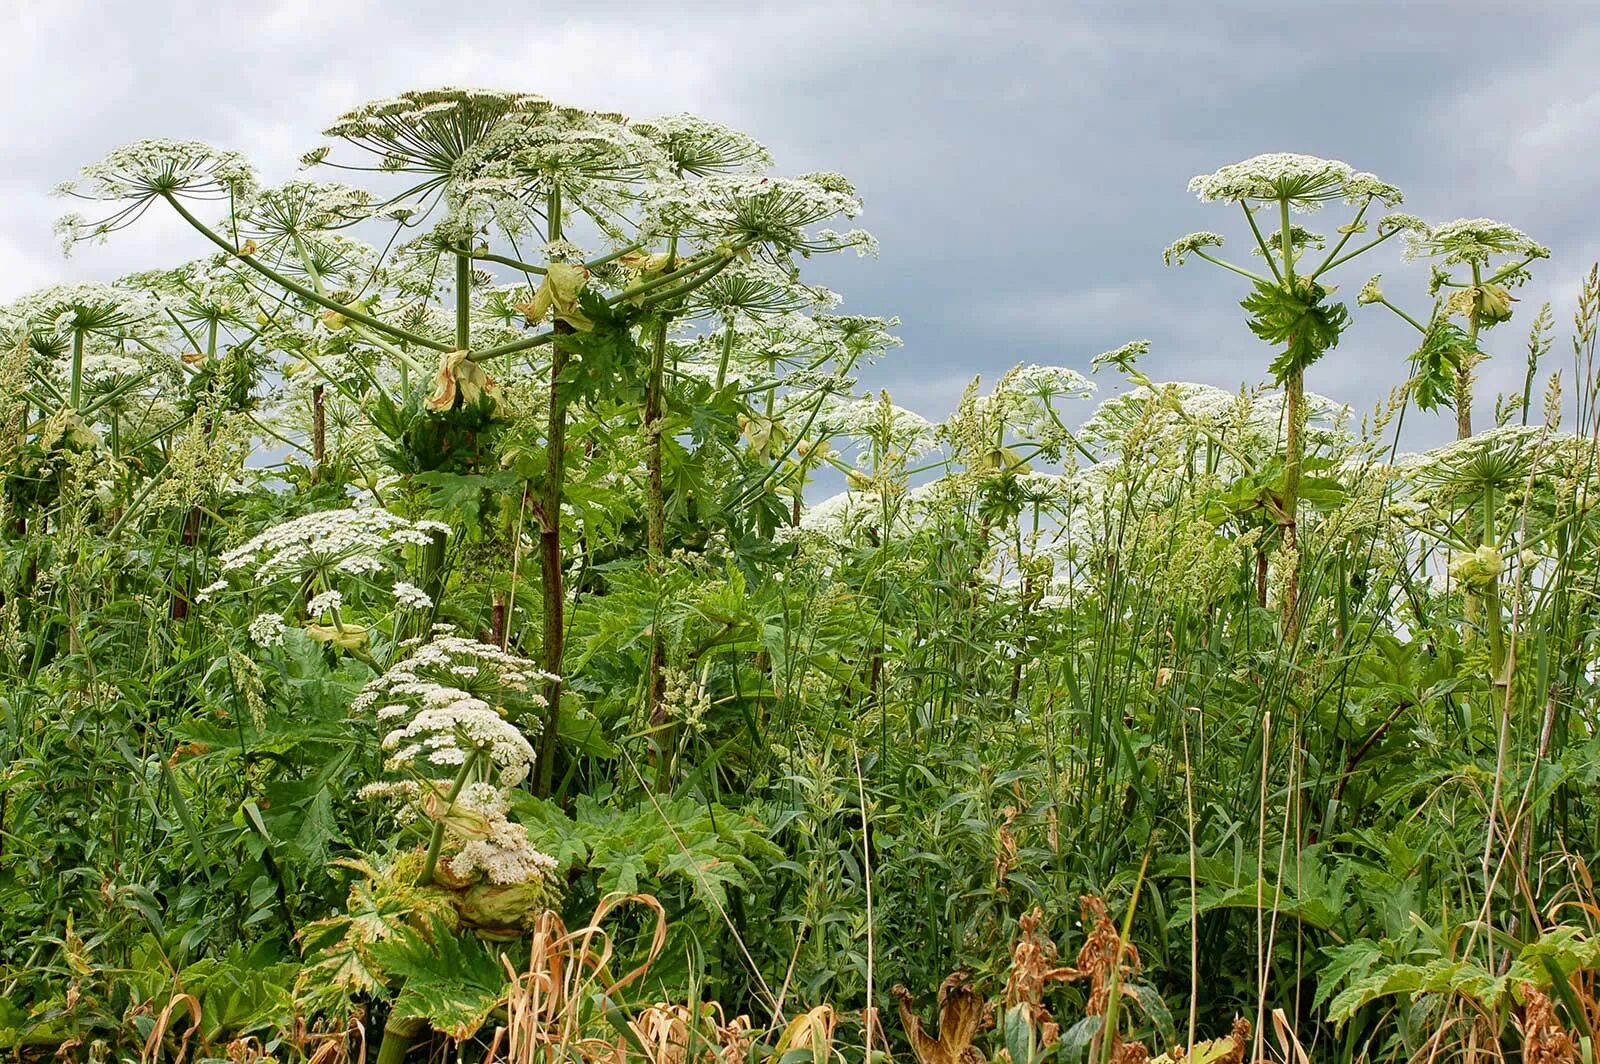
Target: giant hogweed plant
x,y
417,341
1289,306
1496,257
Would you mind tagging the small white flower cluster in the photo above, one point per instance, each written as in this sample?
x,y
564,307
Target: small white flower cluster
x,y
851,518
1159,416
1023,403
1122,357
772,211
151,167
841,518
301,207
442,693
1304,181
267,630
892,427
760,289
324,602
445,735
83,306
137,173
1180,249
500,849
696,146
480,838
200,290
358,540
411,596
100,366
497,672
1058,381
1469,240
483,798
1397,223
404,128
1501,457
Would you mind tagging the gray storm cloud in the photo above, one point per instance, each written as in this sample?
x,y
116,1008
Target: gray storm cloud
x,y
1023,165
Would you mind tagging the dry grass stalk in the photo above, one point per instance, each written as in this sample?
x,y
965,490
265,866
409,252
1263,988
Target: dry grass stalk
x,y
565,968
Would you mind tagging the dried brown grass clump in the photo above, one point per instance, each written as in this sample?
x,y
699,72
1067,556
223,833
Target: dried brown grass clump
x,y
565,968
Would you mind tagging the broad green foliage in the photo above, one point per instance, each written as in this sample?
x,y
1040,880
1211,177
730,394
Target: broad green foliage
x,y
427,602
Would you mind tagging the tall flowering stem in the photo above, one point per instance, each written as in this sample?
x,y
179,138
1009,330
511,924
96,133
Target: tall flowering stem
x,y
550,559
1497,257
1290,309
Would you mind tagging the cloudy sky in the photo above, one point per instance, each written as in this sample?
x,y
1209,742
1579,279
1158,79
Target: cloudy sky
x,y
1023,165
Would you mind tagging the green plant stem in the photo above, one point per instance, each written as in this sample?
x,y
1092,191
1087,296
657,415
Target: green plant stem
x,y
1261,241
436,839
656,530
1492,619
1413,322
77,369
726,353
398,1034
553,591
1350,231
463,302
1293,460
1226,265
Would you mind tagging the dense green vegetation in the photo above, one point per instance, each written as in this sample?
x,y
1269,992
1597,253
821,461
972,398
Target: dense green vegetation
x,y
419,638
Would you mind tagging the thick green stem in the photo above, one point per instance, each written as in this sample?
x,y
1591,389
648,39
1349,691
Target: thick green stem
x,y
1492,619
1286,244
463,302
436,839
1293,459
398,1034
727,352
1288,521
656,529
77,369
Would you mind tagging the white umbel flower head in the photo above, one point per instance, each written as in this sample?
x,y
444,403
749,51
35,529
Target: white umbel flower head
x,y
498,848
155,167
893,427
301,207
695,146
138,173
1469,240
1123,357
84,306
324,602
1304,181
451,697
455,725
411,597
357,540
428,130
1180,249
773,212
267,630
